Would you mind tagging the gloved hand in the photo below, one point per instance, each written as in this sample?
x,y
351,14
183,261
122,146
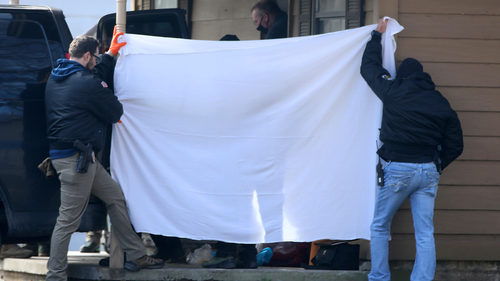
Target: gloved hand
x,y
115,46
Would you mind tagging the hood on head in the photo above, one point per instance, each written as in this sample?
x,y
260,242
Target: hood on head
x,y
408,67
65,68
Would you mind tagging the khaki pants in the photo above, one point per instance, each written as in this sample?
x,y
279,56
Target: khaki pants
x,y
75,193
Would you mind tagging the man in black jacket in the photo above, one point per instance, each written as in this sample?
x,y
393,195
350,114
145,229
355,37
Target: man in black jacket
x,y
79,104
421,135
270,19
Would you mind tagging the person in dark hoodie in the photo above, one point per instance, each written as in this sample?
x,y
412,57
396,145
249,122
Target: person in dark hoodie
x,y
78,106
421,136
270,19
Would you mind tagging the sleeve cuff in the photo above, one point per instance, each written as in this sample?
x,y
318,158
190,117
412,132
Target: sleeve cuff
x,y
376,34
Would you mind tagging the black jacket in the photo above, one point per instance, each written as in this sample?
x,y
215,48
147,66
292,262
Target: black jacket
x,y
80,104
416,117
279,28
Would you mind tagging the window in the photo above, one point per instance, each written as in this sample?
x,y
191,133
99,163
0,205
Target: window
x,y
322,16
162,4
329,16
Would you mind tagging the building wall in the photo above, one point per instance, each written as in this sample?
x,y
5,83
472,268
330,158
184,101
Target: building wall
x,y
458,43
212,19
80,18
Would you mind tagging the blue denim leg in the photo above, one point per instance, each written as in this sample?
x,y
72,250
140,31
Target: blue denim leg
x,y
422,207
398,179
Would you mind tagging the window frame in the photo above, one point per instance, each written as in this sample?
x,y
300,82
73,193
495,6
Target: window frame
x,y
309,19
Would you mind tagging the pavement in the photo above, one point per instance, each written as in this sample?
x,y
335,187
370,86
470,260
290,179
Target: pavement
x,y
86,267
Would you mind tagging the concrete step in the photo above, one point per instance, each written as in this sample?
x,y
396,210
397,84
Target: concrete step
x,y
86,267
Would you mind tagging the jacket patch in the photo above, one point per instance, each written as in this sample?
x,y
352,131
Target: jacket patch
x,y
387,77
104,85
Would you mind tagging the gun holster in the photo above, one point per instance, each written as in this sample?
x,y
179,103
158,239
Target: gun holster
x,y
86,155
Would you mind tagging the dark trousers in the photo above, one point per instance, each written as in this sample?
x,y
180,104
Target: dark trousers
x,y
247,252
166,244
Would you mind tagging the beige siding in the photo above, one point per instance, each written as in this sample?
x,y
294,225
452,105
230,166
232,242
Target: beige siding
x,y
472,99
450,247
481,148
458,43
466,7
450,26
450,50
472,173
466,197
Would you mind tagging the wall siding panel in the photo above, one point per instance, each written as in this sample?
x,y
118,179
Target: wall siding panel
x,y
450,26
449,50
472,98
464,74
472,173
449,247
476,7
481,148
480,123
454,197
452,222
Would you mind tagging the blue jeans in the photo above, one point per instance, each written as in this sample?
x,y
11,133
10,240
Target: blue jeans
x,y
419,182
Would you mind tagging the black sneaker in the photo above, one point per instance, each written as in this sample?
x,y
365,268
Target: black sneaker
x,y
216,262
145,262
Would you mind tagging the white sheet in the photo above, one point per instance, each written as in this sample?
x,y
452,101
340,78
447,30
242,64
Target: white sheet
x,y
249,141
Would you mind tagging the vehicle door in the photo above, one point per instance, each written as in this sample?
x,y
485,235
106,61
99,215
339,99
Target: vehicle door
x,y
27,55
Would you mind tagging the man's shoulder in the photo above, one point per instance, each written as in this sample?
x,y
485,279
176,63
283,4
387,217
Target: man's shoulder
x,y
279,27
91,80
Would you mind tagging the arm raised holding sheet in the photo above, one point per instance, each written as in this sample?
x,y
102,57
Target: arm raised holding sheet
x,y
416,120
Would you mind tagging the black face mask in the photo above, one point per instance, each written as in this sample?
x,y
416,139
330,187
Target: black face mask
x,y
262,29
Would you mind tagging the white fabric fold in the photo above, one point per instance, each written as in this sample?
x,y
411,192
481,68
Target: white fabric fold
x,y
249,141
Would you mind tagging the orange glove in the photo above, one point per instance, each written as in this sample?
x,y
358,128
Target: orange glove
x,y
115,46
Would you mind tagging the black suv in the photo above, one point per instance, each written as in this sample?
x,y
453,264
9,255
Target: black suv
x,y
32,38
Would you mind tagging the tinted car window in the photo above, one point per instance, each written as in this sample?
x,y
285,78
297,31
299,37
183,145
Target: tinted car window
x,y
153,25
24,50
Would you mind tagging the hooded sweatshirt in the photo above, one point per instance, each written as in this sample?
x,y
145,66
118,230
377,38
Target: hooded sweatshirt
x,y
417,120
79,105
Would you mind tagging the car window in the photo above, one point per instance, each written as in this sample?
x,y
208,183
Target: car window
x,y
24,51
153,25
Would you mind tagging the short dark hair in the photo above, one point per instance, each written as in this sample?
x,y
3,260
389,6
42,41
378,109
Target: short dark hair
x,y
267,6
82,44
229,37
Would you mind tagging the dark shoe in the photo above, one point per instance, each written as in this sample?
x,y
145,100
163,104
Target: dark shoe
x,y
105,262
31,247
216,262
176,256
14,251
246,264
90,247
145,262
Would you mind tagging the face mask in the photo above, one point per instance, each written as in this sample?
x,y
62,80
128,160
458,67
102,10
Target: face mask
x,y
262,29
